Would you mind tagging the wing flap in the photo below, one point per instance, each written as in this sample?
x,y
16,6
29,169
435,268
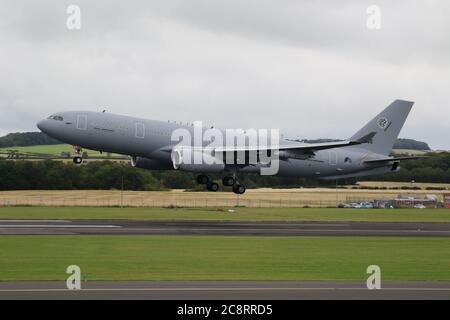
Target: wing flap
x,y
301,148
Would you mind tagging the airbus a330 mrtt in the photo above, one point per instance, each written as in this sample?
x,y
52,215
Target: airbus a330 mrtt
x,y
150,145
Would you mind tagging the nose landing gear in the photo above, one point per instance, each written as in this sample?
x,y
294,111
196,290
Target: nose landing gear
x,y
78,159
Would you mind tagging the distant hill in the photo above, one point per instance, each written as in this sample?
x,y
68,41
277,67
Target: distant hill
x,y
408,144
411,144
25,139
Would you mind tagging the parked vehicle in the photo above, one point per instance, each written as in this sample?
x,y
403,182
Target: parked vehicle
x,y
355,205
366,205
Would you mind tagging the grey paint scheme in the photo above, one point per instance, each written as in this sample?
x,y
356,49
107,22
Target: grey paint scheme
x,y
149,142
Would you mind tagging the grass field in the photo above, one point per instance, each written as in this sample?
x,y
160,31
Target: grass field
x,y
55,150
239,214
223,258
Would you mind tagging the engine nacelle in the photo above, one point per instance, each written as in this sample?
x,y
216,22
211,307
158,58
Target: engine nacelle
x,y
150,164
189,159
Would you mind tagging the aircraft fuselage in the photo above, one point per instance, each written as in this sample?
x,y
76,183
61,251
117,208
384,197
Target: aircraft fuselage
x,y
151,139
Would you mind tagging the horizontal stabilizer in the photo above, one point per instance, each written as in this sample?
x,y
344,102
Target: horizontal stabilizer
x,y
368,138
387,160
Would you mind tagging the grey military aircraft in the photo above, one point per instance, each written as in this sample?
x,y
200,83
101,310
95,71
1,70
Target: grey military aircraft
x,y
151,145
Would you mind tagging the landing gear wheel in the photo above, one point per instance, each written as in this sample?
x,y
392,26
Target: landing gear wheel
x,y
239,188
202,179
78,160
212,186
228,181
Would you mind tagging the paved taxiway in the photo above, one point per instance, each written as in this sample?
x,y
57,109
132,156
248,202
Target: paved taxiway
x,y
131,227
225,290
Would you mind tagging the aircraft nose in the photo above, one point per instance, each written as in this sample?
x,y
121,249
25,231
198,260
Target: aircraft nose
x,y
43,125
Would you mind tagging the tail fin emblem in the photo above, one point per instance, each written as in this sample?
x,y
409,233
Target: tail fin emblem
x,y
383,123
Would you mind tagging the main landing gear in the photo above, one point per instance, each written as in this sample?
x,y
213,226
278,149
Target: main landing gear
x,y
232,181
210,186
239,188
228,181
78,159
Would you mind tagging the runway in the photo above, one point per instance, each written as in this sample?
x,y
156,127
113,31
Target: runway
x,y
208,228
225,290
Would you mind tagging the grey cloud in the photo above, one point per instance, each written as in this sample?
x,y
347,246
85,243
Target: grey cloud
x,y
310,68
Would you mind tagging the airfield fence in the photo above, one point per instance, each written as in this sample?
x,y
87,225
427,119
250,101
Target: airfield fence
x,y
181,203
261,198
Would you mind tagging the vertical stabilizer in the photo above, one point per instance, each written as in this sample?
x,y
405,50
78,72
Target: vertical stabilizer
x,y
387,126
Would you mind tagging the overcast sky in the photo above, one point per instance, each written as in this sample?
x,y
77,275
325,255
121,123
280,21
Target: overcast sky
x,y
310,68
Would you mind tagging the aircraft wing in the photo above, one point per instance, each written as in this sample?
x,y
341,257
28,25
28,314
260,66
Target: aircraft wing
x,y
301,148
386,160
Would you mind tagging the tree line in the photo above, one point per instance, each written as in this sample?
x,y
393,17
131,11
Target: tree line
x,y
435,169
106,175
24,139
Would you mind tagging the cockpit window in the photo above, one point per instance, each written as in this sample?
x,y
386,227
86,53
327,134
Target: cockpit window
x,y
57,118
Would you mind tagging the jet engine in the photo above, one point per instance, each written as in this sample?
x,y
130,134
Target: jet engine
x,y
190,159
150,164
